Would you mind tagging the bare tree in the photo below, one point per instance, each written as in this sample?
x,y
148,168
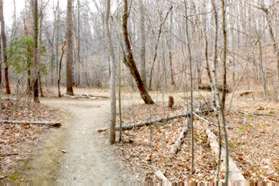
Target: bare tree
x,y
191,87
129,58
69,38
4,49
112,76
143,42
36,51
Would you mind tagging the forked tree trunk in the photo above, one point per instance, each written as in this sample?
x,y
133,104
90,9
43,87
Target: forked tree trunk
x,y
69,38
4,46
129,58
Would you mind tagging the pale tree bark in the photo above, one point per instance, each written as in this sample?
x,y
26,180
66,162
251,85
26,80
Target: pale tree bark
x,y
35,76
170,48
59,69
143,42
157,47
223,105
129,58
191,120
261,67
78,43
4,48
57,36
69,38
216,102
112,76
272,36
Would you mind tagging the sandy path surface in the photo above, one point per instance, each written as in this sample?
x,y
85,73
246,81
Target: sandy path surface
x,y
89,159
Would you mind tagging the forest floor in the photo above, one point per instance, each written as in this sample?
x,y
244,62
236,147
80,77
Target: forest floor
x,y
77,154
253,140
72,155
18,141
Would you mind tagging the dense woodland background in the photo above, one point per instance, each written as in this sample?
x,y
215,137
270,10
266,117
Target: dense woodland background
x,y
165,46
158,37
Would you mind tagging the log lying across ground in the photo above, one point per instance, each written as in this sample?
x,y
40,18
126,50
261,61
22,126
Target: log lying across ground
x,y
208,88
157,121
235,174
177,145
42,123
86,96
162,177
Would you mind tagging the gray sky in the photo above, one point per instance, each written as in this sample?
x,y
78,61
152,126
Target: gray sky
x,y
9,8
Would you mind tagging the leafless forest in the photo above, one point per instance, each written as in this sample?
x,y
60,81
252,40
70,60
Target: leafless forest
x,y
109,92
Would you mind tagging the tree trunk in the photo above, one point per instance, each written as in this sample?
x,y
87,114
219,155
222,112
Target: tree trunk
x,y
191,120
112,76
4,48
223,105
143,42
261,67
36,52
78,43
57,38
129,58
69,38
157,46
59,70
170,46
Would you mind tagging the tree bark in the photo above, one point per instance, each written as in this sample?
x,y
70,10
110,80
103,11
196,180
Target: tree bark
x,y
143,42
191,120
59,70
223,105
36,51
112,76
129,58
170,47
4,48
156,47
69,38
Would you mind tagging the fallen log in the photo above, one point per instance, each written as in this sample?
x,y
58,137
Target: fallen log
x,y
208,88
235,174
162,177
246,93
86,96
158,121
43,123
9,154
175,148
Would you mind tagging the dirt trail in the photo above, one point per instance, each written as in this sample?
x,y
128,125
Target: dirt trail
x,y
89,159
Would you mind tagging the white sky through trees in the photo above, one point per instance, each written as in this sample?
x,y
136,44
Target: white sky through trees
x,y
9,8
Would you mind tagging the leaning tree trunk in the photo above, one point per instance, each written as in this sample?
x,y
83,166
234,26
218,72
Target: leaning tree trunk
x,y
4,53
35,81
69,38
129,58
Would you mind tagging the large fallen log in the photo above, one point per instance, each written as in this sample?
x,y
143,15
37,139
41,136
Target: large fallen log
x,y
43,123
162,177
235,174
156,121
175,148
